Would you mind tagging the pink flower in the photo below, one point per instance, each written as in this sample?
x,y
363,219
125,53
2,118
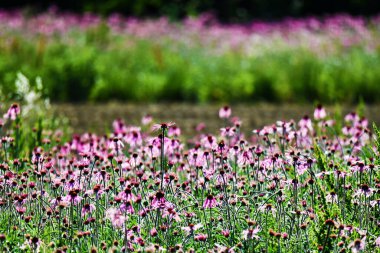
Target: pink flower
x,y
127,207
191,228
225,112
209,202
87,208
226,233
116,217
200,237
201,126
174,131
377,242
352,117
358,245
153,232
159,201
165,126
305,123
13,112
251,233
319,113
146,119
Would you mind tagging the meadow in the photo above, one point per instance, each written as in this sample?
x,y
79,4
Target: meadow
x,y
90,58
310,185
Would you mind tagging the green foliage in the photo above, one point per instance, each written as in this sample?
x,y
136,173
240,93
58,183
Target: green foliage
x,y
98,66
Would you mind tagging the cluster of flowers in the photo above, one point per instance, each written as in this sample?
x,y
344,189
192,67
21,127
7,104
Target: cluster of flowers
x,y
293,187
321,35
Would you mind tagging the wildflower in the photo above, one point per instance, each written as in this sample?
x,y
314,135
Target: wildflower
x,y
223,249
228,131
13,112
226,233
358,245
225,112
87,209
159,201
116,217
351,117
200,237
267,208
73,197
201,126
331,197
191,228
174,131
319,113
209,202
364,190
153,232
163,126
305,123
127,207
171,213
251,233
146,119
377,242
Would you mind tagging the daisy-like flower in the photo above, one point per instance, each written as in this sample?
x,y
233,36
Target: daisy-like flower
x,y
191,228
171,213
146,119
223,249
210,202
225,112
200,237
358,245
87,208
319,113
127,207
116,217
251,233
267,208
377,242
13,112
305,123
159,201
174,131
364,190
331,197
164,126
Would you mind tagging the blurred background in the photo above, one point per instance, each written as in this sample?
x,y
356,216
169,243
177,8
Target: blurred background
x,y
278,57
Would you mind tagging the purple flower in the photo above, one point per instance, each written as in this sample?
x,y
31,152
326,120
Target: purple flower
x,y
116,217
210,202
13,112
319,113
225,112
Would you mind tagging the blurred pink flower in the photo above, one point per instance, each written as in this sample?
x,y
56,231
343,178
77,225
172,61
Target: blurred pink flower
x,y
319,113
13,112
225,112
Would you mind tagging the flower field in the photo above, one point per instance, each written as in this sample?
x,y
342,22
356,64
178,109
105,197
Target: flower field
x,y
87,57
310,185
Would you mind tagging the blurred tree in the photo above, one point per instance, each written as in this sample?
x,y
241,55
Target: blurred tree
x,y
224,10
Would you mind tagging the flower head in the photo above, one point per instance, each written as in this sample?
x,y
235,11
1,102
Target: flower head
x,y
225,112
209,202
319,113
13,112
162,126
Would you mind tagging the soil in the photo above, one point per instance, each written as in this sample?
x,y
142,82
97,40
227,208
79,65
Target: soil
x,y
98,117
